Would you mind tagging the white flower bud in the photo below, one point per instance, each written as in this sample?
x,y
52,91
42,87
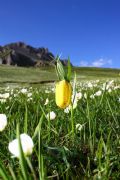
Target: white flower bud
x,y
3,121
47,101
79,127
23,90
27,145
52,115
98,93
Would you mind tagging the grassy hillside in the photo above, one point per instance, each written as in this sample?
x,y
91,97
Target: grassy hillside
x,y
44,74
29,75
97,73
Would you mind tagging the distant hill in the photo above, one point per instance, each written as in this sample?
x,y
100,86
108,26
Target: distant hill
x,y
21,54
47,74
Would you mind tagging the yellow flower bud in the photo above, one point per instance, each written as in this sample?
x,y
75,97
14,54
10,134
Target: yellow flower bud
x,y
63,94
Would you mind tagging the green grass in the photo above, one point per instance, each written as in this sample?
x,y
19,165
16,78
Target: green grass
x,y
37,75
27,75
60,150
97,73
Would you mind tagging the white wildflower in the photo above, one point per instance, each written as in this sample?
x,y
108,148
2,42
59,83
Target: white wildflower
x,y
15,95
26,142
79,95
2,100
53,89
97,81
29,99
98,93
109,90
79,127
3,122
92,96
47,91
95,85
23,90
29,94
116,87
46,101
74,105
5,95
67,110
89,85
111,82
51,115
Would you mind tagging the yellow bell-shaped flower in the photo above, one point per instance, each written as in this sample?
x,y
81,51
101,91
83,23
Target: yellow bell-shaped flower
x,y
63,93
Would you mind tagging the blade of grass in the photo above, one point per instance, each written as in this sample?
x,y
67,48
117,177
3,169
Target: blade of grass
x,y
12,173
22,160
31,168
3,172
69,70
38,128
25,119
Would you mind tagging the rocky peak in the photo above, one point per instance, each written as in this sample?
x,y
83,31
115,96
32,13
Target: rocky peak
x,y
21,54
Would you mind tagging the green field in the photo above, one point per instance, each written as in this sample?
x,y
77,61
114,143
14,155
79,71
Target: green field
x,y
14,74
78,143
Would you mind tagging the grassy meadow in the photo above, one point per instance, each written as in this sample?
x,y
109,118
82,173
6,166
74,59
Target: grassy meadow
x,y
79,142
40,75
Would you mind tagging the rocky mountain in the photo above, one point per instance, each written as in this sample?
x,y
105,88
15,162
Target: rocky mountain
x,y
21,54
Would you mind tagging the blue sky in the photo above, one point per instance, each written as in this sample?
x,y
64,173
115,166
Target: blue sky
x,y
88,31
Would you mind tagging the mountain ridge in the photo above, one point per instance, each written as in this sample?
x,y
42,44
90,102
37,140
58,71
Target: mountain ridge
x,y
22,54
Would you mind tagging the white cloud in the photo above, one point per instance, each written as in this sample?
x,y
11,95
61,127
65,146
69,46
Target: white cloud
x,y
84,63
97,63
101,62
